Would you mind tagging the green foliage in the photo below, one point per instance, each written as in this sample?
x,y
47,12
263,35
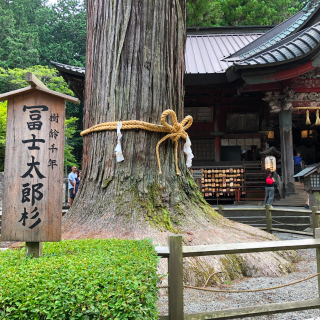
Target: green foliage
x,y
204,13
18,48
33,32
239,12
70,130
12,79
62,32
3,124
81,280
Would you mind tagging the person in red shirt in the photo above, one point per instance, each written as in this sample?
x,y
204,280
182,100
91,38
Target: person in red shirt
x,y
269,187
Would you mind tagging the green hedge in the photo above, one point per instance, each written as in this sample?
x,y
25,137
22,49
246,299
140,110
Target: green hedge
x,y
81,279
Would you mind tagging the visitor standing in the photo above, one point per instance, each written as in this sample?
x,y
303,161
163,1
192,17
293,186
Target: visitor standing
x,y
297,162
269,187
72,184
77,182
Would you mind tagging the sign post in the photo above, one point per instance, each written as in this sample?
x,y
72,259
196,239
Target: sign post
x,y
33,173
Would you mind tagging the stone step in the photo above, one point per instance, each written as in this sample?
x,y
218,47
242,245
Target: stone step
x,y
288,203
297,227
240,213
283,219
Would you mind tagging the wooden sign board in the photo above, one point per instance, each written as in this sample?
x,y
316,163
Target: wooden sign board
x,y
200,114
197,174
242,122
33,174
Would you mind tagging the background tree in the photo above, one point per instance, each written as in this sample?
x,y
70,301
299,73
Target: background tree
x,y
3,125
62,32
134,71
204,13
240,12
17,48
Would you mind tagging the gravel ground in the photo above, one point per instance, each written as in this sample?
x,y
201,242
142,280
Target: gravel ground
x,y
200,301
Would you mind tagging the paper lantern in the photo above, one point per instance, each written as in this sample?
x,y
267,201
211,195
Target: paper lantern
x,y
271,163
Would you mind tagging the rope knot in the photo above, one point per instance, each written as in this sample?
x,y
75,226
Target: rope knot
x,y
177,131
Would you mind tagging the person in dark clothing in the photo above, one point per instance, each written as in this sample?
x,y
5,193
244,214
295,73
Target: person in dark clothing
x,y
77,182
297,162
269,187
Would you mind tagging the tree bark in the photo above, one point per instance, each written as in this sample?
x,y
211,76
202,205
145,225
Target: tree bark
x,y
134,71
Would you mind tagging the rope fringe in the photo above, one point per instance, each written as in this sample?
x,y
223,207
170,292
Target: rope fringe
x,y
308,122
175,132
317,118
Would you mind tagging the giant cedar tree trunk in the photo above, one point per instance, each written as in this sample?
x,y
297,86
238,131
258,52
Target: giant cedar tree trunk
x,y
134,70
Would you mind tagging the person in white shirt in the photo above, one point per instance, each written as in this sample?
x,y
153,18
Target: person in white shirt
x,y
72,184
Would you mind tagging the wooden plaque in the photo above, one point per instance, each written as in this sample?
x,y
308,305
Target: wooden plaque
x,y
33,178
197,174
224,142
257,142
202,114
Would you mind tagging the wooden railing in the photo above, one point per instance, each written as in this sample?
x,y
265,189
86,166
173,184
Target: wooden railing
x,y
314,212
175,253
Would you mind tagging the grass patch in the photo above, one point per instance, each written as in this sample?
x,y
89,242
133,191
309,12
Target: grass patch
x,y
81,280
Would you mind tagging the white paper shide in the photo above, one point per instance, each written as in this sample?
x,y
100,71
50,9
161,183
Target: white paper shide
x,y
187,150
118,149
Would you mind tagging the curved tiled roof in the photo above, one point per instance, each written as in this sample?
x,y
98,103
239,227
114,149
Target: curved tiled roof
x,y
289,49
282,35
72,69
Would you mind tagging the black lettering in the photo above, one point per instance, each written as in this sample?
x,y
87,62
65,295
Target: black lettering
x,y
24,217
53,133
26,193
33,165
35,115
53,148
33,141
42,107
54,117
36,125
52,163
36,215
36,193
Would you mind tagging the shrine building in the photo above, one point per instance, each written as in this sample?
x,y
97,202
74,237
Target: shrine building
x,y
251,90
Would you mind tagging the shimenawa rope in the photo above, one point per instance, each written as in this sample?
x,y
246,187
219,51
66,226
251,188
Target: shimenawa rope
x,y
243,291
175,132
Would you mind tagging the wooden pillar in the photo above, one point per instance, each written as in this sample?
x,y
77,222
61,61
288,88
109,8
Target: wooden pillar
x,y
34,249
315,220
217,139
317,236
287,167
175,278
314,199
269,218
217,148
